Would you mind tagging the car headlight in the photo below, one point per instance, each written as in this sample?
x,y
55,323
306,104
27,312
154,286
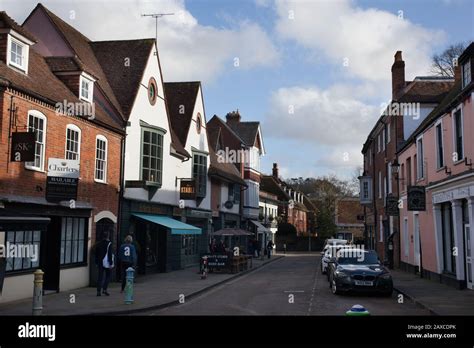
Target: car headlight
x,y
341,274
385,276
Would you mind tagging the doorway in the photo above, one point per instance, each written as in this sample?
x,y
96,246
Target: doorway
x,y
416,231
51,255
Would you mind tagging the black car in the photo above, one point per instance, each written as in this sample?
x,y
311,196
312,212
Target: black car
x,y
359,270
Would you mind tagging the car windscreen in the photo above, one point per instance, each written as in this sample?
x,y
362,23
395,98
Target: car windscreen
x,y
358,258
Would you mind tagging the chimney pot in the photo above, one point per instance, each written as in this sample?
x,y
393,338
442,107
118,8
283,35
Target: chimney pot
x,y
233,117
275,170
457,72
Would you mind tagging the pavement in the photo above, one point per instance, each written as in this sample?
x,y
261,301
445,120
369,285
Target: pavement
x,y
437,298
150,292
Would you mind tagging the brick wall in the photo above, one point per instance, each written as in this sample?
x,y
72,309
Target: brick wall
x,y
16,180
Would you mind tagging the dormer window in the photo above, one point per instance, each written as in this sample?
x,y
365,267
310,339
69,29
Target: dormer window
x,y
86,88
17,54
466,73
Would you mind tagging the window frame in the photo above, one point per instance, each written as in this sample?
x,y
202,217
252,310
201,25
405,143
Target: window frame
x,y
104,139
40,115
62,256
160,156
25,55
455,148
380,184
388,133
420,167
464,75
439,140
31,268
90,81
74,128
200,194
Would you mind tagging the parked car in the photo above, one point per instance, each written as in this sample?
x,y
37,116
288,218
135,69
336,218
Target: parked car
x,y
358,270
330,253
333,242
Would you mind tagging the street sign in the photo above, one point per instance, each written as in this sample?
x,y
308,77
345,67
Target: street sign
x,y
62,180
23,146
391,206
416,198
187,189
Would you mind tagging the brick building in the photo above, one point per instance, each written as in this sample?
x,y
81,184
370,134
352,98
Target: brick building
x,y
32,88
349,215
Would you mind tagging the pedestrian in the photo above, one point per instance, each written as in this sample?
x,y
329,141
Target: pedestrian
x,y
221,248
269,248
256,248
128,258
213,246
104,260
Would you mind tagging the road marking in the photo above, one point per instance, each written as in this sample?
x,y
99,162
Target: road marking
x,y
292,291
310,307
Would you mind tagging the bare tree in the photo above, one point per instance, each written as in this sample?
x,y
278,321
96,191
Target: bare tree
x,y
443,64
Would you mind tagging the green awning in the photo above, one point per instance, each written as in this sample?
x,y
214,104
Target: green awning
x,y
176,227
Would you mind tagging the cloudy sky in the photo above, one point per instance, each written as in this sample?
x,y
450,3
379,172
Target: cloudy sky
x,y
313,72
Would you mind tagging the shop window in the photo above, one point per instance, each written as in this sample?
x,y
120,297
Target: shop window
x,y
26,243
73,240
190,244
449,258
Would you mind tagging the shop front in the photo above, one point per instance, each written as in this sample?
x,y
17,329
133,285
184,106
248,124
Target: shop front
x,y
57,239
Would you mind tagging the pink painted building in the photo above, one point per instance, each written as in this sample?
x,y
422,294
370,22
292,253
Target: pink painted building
x,y
439,242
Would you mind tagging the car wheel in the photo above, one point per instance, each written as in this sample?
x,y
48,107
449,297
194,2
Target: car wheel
x,y
334,289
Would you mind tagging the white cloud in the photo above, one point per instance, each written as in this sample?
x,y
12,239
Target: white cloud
x,y
311,115
188,50
368,38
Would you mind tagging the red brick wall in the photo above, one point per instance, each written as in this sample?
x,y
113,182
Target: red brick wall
x,y
20,181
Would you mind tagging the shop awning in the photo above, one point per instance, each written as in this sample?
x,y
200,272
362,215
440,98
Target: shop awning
x,y
260,227
176,227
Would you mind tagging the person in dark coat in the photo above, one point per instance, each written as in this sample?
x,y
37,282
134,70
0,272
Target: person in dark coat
x,y
128,258
213,246
103,248
269,248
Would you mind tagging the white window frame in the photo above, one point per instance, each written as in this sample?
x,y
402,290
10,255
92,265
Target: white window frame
x,y
440,124
90,81
459,108
370,156
420,168
464,75
378,144
389,180
26,53
74,128
38,114
380,184
102,138
388,133
384,190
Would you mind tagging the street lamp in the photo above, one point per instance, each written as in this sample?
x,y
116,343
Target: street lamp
x,y
395,167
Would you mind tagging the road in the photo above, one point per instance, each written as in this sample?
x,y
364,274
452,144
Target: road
x,y
293,285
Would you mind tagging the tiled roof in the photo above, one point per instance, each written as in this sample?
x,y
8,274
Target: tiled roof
x,y
43,84
181,98
67,64
422,91
221,169
269,184
81,46
124,79
6,22
246,130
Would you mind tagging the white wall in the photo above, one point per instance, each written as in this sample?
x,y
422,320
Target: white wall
x,y
225,198
17,287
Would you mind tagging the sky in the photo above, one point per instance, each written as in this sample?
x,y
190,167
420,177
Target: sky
x,y
313,72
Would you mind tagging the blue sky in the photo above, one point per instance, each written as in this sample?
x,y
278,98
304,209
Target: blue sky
x,y
328,61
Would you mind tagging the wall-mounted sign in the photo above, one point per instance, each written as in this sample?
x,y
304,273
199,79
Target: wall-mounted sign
x,y
62,180
416,198
391,206
23,146
187,189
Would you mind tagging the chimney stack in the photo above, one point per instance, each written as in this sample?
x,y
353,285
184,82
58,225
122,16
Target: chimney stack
x,y
398,75
457,72
275,170
233,118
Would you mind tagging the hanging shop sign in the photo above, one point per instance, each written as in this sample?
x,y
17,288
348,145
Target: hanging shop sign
x,y
416,198
23,146
391,206
187,189
62,180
